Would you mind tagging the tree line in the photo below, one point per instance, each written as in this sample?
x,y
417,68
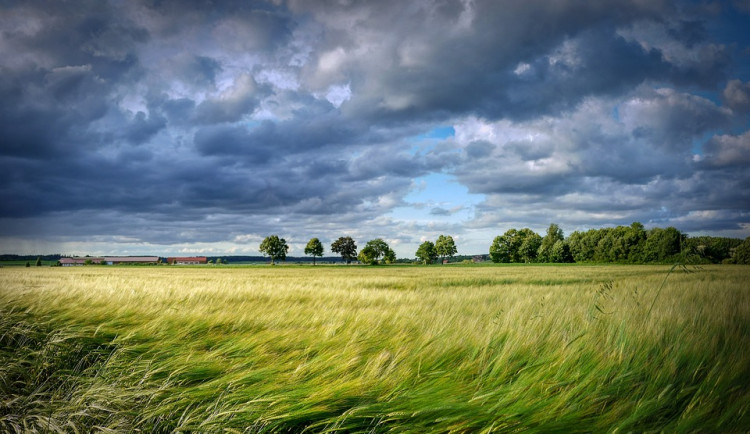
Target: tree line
x,y
622,244
374,252
632,244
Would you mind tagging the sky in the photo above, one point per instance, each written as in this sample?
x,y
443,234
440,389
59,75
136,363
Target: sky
x,y
201,127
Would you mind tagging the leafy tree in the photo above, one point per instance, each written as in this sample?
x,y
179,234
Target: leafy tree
x,y
515,246
560,252
504,247
374,250
583,244
390,256
530,242
28,264
378,246
274,247
554,234
314,248
662,244
346,247
742,252
367,256
445,247
39,261
711,249
427,252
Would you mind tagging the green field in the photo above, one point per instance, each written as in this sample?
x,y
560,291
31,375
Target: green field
x,y
375,349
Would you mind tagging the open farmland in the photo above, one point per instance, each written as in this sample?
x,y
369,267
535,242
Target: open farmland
x,y
375,349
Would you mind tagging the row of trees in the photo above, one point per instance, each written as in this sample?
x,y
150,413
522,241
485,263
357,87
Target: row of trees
x,y
375,251
443,247
622,244
277,248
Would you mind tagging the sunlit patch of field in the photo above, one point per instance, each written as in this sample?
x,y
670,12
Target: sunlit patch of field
x,y
375,349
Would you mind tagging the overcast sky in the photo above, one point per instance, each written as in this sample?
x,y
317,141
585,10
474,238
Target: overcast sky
x,y
176,127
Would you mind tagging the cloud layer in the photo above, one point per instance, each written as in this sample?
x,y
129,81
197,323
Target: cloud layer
x,y
173,127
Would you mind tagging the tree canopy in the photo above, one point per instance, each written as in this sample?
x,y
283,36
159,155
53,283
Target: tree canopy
x,y
274,247
445,247
374,250
346,247
314,248
516,246
427,252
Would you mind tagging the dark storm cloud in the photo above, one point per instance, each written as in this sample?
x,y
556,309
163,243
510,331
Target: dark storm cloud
x,y
736,95
208,122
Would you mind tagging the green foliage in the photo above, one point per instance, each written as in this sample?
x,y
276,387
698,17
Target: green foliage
x,y
314,248
39,261
445,247
710,249
274,247
427,252
390,256
554,234
367,256
28,264
619,244
662,244
560,252
516,246
346,247
374,250
742,252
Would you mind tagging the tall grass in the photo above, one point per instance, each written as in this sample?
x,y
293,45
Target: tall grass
x,y
374,349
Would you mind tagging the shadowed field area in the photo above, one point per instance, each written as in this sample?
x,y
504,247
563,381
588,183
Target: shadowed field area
x,y
375,349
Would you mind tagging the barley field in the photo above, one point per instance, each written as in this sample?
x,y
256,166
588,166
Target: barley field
x,y
375,349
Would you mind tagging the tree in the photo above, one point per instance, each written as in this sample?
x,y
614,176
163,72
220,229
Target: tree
x,y
39,261
445,247
314,248
560,252
274,247
554,234
427,252
515,246
504,246
367,256
390,256
374,250
661,244
742,252
28,264
530,242
345,247
583,244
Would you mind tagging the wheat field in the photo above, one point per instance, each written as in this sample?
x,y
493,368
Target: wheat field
x,y
375,349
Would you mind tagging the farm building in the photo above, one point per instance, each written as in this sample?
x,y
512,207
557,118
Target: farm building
x,y
77,261
194,260
114,260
